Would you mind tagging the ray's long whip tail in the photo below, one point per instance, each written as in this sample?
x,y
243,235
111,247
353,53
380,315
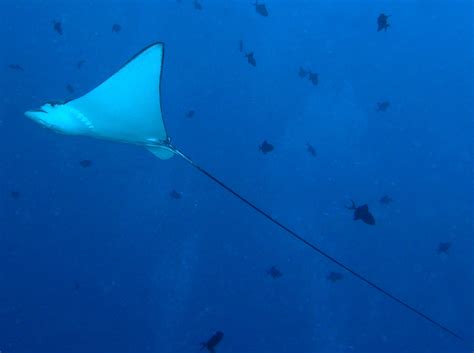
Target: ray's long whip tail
x,y
312,246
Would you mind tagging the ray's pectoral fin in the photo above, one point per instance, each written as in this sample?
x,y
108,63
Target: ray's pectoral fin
x,y
124,108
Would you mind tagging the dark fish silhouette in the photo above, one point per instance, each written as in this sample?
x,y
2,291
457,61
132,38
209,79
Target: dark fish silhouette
x,y
302,73
85,163
15,195
261,9
251,59
116,28
197,5
274,272
80,63
334,276
266,147
313,77
241,46
310,150
58,27
190,114
385,200
77,286
69,88
16,67
362,213
211,344
383,106
444,247
382,22
175,194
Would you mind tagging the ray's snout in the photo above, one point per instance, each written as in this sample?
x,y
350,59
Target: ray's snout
x,y
34,114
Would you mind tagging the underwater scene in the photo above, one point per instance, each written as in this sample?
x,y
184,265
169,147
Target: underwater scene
x,y
237,176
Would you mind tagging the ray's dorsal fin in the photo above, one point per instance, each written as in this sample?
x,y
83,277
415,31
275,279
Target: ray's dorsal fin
x,y
127,106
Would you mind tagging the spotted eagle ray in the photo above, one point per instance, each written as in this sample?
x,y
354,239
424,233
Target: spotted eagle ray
x,y
126,108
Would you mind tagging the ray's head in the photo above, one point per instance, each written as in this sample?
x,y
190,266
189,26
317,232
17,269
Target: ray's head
x,y
60,118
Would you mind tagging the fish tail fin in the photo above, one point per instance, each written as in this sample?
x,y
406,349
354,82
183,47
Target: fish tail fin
x,y
352,207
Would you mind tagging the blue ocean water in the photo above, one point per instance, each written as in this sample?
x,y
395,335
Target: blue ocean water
x,y
102,259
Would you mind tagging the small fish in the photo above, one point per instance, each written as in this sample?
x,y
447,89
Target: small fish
x,y
382,22
383,106
266,147
116,28
241,46
190,113
212,342
80,63
362,213
175,194
310,150
274,272
16,67
444,247
251,59
85,163
385,200
77,286
334,277
302,73
313,77
58,27
69,88
197,5
15,195
261,9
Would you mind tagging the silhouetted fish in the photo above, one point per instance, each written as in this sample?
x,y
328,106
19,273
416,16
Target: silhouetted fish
x,y
80,63
362,213
302,73
261,9
77,286
313,77
334,276
175,194
382,22
211,344
310,150
16,67
274,272
385,200
444,247
85,163
58,27
69,88
383,106
251,59
116,28
190,113
197,5
15,195
265,147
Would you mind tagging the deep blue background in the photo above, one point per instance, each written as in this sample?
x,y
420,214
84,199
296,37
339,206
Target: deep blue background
x,y
103,260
